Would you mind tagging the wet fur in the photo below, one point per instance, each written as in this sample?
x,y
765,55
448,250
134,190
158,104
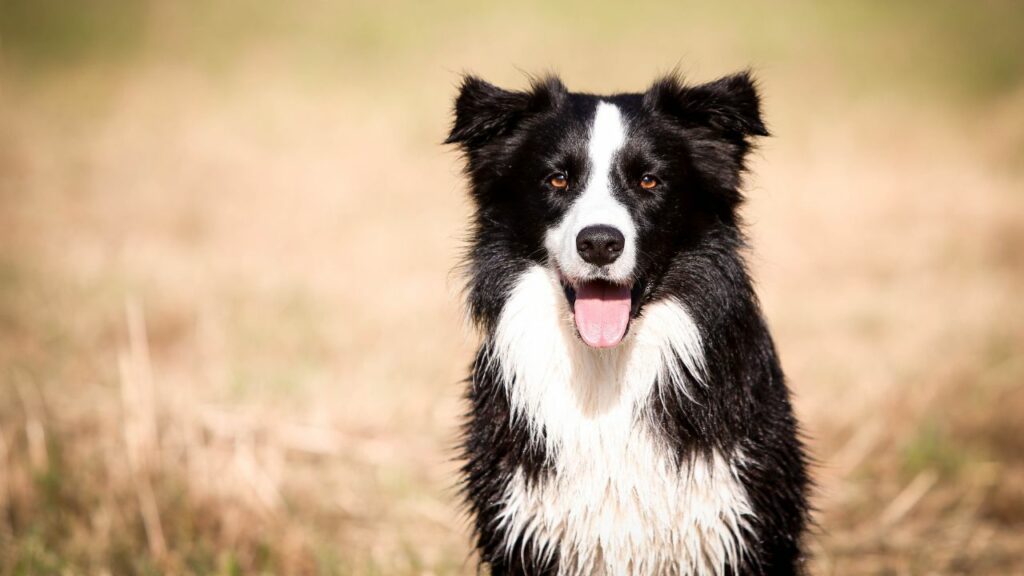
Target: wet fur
x,y
570,451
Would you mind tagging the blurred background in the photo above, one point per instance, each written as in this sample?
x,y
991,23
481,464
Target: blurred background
x,y
230,329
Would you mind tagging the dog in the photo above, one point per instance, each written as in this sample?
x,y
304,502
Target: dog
x,y
628,412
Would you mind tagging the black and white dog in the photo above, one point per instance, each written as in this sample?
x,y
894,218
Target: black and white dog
x,y
628,411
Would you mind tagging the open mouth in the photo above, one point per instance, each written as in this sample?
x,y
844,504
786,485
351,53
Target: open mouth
x,y
602,310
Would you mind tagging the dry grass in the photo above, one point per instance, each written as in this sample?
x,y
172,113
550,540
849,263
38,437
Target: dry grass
x,y
230,341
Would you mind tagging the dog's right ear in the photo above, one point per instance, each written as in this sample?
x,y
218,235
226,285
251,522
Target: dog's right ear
x,y
484,111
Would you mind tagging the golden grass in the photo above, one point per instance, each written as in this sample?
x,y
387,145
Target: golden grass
x,y
230,337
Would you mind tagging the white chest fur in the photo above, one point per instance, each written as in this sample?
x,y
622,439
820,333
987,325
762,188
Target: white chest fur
x,y
616,503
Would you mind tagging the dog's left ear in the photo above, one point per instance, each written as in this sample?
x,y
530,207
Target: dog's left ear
x,y
729,105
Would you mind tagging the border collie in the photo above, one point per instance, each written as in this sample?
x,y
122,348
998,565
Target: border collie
x,y
628,411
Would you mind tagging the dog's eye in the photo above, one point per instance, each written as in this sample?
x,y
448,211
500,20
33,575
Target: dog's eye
x,y
648,182
559,180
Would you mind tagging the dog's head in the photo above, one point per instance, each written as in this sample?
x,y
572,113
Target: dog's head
x,y
606,191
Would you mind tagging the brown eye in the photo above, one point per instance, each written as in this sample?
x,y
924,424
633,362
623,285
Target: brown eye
x,y
647,182
559,180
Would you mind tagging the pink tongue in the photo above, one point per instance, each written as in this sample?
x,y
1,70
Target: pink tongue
x,y
602,313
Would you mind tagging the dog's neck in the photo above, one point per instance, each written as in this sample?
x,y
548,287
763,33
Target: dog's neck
x,y
608,464
541,357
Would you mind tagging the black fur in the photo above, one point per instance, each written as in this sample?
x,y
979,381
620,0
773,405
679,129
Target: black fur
x,y
696,139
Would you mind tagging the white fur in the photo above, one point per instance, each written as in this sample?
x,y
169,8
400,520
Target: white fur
x,y
617,504
596,205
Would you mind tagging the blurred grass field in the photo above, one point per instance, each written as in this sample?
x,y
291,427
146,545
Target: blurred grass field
x,y
230,332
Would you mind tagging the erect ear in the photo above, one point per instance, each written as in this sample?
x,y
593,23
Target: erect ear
x,y
729,105
484,112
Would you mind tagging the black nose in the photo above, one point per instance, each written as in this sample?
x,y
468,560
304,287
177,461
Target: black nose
x,y
600,245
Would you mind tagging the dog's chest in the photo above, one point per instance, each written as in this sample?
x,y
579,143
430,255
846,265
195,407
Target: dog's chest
x,y
614,501
615,504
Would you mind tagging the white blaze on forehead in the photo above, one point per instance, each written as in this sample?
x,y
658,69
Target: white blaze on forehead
x,y
597,204
606,137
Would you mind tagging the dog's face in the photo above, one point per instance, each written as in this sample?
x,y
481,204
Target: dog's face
x,y
606,191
